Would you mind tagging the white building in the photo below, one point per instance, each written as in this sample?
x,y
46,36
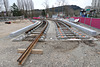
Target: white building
x,y
88,7
96,5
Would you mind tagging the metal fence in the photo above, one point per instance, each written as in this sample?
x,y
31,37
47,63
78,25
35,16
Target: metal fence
x,y
10,18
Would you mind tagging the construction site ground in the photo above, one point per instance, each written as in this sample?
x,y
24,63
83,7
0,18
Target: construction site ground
x,y
55,53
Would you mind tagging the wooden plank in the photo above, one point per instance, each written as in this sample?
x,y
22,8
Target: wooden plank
x,y
34,51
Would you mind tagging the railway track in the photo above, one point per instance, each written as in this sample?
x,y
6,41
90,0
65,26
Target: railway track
x,y
42,30
65,31
32,33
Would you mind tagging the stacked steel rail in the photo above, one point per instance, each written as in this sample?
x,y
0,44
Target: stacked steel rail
x,y
27,52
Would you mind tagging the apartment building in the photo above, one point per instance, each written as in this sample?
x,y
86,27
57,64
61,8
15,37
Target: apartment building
x,y
96,5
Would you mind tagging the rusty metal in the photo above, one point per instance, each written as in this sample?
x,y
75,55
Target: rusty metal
x,y
27,52
33,28
66,24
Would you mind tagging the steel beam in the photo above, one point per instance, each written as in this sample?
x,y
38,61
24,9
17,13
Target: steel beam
x,y
84,29
20,31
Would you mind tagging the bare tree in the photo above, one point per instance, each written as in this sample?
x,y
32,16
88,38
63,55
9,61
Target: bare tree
x,y
61,3
53,9
46,5
1,5
26,6
19,4
31,7
66,10
6,5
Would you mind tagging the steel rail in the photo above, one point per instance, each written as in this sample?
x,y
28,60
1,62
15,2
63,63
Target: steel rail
x,y
27,52
33,28
65,23
57,24
76,34
60,23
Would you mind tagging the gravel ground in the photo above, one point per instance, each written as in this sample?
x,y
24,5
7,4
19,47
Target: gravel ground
x,y
51,33
55,53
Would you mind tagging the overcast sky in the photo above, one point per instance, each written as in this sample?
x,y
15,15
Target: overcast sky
x,y
38,3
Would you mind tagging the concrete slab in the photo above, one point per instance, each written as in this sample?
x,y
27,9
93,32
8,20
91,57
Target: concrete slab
x,y
51,33
20,31
84,29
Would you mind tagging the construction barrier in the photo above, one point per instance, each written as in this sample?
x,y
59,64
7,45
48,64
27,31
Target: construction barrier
x,y
94,22
84,29
36,17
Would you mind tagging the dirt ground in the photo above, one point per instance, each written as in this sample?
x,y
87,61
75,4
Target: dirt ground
x,y
55,53
6,29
